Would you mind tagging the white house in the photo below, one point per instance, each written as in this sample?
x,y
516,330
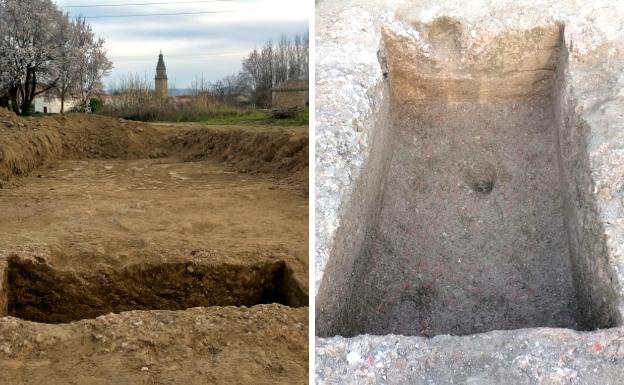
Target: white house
x,y
51,104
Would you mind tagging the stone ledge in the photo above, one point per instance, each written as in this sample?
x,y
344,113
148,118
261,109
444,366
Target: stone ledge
x,y
525,356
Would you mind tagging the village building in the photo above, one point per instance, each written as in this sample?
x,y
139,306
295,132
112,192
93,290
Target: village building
x,y
51,104
183,99
289,94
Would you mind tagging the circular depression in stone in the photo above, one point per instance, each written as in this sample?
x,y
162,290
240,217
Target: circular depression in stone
x,y
481,177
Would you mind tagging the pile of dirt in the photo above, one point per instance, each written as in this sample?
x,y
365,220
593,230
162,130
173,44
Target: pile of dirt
x,y
26,143
278,152
282,153
101,137
261,345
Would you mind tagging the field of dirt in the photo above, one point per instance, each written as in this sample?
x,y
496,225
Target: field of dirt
x,y
152,253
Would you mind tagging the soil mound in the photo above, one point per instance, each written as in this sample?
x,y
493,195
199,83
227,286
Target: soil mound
x,y
94,136
280,152
283,153
26,143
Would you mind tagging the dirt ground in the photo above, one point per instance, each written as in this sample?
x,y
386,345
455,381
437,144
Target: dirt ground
x,y
101,216
120,212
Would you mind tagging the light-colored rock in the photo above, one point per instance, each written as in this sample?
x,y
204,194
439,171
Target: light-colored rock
x,y
351,95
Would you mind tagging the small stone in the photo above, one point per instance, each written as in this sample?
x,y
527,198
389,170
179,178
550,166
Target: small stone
x,y
144,369
353,357
190,269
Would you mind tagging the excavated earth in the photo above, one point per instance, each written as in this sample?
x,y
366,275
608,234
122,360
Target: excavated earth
x,y
151,253
469,212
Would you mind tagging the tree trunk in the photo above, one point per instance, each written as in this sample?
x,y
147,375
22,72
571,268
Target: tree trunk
x,y
28,91
14,101
5,101
62,102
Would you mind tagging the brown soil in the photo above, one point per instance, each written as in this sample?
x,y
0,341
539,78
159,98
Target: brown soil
x,y
42,293
265,344
103,215
121,212
281,152
27,143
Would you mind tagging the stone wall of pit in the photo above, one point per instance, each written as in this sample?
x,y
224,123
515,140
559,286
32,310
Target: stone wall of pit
x,y
596,283
333,307
346,103
348,36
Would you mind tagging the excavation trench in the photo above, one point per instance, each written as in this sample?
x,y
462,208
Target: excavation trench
x,y
473,213
38,292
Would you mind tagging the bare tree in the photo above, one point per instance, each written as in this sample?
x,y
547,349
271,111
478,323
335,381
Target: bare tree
x,y
41,51
75,38
66,61
133,91
29,46
281,60
91,64
265,68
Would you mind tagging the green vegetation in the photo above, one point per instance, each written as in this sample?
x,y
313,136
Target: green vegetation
x,y
96,105
256,117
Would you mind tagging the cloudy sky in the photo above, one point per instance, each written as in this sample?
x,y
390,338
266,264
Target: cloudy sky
x,y
194,42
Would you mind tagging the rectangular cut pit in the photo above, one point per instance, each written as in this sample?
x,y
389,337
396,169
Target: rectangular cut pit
x,y
473,226
38,292
471,235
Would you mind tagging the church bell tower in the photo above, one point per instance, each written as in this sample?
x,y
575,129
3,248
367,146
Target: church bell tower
x,y
162,90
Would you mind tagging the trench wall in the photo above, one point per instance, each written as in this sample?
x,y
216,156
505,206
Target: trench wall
x,y
594,278
333,303
41,293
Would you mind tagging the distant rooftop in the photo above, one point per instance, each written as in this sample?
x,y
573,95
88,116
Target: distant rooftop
x,y
292,85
